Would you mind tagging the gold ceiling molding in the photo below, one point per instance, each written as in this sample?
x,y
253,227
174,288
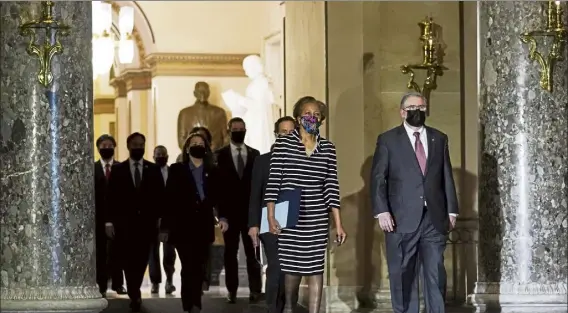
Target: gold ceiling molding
x,y
119,87
136,35
137,79
196,64
103,106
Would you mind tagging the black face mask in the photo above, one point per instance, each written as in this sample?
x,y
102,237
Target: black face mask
x,y
136,154
238,137
197,152
415,118
162,161
106,153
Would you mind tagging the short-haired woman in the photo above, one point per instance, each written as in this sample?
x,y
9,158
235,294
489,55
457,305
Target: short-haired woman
x,y
192,191
304,160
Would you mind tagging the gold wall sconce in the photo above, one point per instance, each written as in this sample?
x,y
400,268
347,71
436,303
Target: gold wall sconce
x,y
430,62
51,46
558,32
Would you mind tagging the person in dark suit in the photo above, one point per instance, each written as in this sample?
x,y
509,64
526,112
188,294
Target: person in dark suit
x,y
414,199
108,264
274,278
192,190
168,250
135,190
204,131
235,163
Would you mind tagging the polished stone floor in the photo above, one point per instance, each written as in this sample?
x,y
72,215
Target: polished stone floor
x,y
213,300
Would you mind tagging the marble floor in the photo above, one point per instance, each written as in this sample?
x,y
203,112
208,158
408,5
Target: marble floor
x,y
213,300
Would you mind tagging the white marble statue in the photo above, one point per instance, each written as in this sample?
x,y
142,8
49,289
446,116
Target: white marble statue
x,y
256,108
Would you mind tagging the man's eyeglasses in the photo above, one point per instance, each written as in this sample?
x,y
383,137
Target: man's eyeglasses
x,y
413,107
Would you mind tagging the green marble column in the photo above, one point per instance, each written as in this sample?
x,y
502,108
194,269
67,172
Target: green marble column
x,y
46,166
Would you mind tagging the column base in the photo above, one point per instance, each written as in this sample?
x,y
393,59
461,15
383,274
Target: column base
x,y
520,298
53,306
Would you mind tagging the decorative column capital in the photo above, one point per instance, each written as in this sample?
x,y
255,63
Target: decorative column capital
x,y
196,64
119,87
137,79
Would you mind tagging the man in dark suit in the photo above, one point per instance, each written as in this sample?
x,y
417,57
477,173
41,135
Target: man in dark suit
x,y
235,163
107,253
135,190
414,199
168,250
274,278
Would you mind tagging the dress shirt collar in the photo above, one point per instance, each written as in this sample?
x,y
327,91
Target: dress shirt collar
x,y
234,147
104,163
411,130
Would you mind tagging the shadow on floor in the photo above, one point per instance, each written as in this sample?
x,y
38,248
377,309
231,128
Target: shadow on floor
x,y
173,305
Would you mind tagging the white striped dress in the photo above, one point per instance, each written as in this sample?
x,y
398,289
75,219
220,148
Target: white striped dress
x,y
302,248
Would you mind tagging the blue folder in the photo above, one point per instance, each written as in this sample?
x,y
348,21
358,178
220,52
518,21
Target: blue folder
x,y
286,212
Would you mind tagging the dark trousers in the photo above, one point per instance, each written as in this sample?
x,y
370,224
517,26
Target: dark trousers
x,y
207,271
274,289
406,255
135,252
169,254
231,237
192,257
108,262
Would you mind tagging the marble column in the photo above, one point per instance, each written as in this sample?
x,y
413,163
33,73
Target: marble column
x,y
46,152
523,262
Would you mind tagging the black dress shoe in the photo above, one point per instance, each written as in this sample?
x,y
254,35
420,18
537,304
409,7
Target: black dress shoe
x,y
136,305
120,290
254,297
232,298
155,288
170,288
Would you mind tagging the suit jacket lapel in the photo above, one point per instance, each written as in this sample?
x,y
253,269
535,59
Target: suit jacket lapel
x,y
250,160
408,149
431,148
99,168
229,155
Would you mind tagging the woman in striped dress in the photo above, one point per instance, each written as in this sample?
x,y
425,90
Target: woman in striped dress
x,y
306,161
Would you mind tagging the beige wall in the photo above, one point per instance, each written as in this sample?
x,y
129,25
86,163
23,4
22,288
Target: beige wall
x,y
101,126
367,42
207,26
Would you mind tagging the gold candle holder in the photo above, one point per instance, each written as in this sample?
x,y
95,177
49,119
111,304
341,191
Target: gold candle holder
x,y
51,46
556,30
430,49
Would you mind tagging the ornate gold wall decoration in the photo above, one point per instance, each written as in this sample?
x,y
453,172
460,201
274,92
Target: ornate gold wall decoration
x,y
196,64
45,51
556,30
103,106
430,61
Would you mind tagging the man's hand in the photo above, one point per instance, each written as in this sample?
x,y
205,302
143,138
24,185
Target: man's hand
x,y
453,220
109,230
253,234
386,222
223,225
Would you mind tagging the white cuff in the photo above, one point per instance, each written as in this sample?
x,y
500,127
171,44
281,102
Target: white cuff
x,y
108,224
454,214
